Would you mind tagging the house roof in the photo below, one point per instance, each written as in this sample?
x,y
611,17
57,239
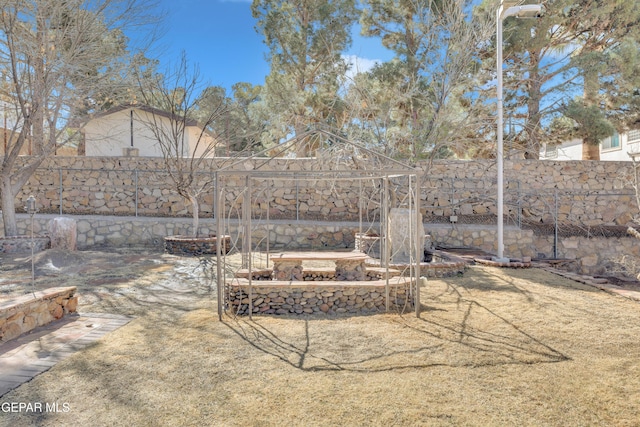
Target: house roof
x,y
146,108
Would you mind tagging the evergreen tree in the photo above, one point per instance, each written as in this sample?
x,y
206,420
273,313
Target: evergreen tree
x,y
306,39
426,88
605,33
550,59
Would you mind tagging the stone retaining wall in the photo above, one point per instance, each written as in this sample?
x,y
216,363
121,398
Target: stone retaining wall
x,y
307,298
22,314
518,242
98,231
592,253
22,244
591,193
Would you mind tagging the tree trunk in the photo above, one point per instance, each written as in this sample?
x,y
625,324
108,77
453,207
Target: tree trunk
x,y
196,214
591,147
8,208
590,150
38,96
532,149
302,147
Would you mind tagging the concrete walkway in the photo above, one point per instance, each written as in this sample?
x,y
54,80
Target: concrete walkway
x,y
33,353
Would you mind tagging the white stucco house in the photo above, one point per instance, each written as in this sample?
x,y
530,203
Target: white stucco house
x,y
618,147
127,131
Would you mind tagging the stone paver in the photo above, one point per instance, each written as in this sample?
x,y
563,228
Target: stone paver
x,y
33,353
598,283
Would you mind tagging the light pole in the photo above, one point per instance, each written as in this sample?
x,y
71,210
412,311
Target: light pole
x,y
31,210
506,9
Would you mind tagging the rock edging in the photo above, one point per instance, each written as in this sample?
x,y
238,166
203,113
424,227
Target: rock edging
x,y
24,313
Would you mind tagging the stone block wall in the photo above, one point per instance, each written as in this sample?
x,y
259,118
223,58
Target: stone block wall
x,y
517,242
97,231
282,235
592,253
22,244
591,193
585,193
317,299
22,314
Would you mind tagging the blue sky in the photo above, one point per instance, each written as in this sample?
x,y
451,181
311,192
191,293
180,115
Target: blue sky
x,y
220,37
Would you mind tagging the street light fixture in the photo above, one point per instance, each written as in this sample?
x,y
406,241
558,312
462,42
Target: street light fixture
x,y
506,9
31,210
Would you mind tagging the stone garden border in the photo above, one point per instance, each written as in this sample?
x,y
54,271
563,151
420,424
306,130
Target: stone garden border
x,y
277,297
22,244
22,314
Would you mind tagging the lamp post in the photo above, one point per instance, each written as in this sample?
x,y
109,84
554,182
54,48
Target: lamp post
x,y
506,9
31,210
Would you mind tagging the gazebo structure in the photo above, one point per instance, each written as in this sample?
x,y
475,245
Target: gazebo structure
x,y
248,205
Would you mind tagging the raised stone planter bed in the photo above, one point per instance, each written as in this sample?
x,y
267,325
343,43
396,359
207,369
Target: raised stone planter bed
x,y
22,244
22,314
441,265
283,297
193,246
316,273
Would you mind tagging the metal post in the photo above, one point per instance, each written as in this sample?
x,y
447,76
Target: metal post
x,y
555,226
219,279
269,195
31,210
297,198
60,177
131,124
519,206
500,148
247,213
418,259
522,11
136,183
453,202
215,191
360,208
384,212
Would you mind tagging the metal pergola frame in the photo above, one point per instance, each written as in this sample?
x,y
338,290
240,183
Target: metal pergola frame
x,y
394,169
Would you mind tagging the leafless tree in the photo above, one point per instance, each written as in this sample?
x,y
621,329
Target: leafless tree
x,y
58,60
182,116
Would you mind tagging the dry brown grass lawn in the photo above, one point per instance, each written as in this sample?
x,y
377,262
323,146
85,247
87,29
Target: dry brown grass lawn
x,y
493,348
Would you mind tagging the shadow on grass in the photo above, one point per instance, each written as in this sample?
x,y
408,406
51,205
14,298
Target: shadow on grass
x,y
462,326
399,343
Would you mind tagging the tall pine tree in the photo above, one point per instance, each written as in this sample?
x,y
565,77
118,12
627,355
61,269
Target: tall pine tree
x,y
306,39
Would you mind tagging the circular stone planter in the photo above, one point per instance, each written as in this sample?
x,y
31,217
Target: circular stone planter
x,y
193,246
22,244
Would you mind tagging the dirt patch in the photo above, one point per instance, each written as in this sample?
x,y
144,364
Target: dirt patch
x,y
495,347
84,269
